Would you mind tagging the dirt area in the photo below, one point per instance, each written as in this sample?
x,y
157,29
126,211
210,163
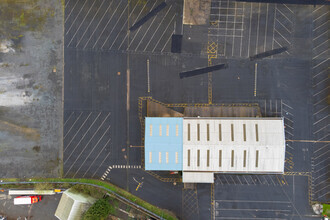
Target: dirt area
x,y
31,78
196,12
157,110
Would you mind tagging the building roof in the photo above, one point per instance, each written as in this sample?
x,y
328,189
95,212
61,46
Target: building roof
x,y
73,205
197,177
234,145
163,143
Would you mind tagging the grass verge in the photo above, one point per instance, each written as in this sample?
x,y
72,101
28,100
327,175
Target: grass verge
x,y
158,211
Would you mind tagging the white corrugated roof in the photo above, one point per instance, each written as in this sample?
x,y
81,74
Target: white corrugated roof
x,y
235,145
197,177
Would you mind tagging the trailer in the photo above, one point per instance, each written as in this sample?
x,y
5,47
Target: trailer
x,y
31,192
26,200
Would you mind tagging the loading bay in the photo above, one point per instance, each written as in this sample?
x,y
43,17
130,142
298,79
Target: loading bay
x,y
110,73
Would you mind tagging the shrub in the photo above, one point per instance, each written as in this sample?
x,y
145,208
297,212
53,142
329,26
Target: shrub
x,y
99,210
88,190
43,186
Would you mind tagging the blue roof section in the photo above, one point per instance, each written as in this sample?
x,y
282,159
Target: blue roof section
x,y
170,143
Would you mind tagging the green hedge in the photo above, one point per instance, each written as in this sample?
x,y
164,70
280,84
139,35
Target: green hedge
x,y
160,212
99,210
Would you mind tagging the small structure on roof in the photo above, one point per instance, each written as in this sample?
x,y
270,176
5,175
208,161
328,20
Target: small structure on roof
x,y
73,205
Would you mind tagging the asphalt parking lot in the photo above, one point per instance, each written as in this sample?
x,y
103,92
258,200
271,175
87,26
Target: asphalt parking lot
x,y
107,82
45,209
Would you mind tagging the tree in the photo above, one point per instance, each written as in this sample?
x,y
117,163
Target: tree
x,y
99,210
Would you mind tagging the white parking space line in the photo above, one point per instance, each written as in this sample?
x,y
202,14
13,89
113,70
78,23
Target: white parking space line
x,y
84,148
101,151
118,19
68,119
71,12
123,26
101,164
76,18
168,40
137,17
67,158
163,33
92,150
81,23
137,32
106,26
67,146
82,36
72,125
157,28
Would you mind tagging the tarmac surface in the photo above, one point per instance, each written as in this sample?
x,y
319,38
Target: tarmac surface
x,y
110,73
45,209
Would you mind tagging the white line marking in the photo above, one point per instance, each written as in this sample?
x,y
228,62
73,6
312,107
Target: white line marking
x,y
232,51
284,26
287,105
253,201
288,8
321,109
92,148
274,27
321,91
320,54
250,31
106,26
163,33
266,27
133,23
67,3
320,82
90,23
320,16
317,9
282,36
221,35
240,50
280,45
145,33
139,28
225,44
284,15
320,26
68,119
98,24
67,159
323,173
320,120
320,130
317,191
76,18
167,41
325,32
114,27
124,25
73,125
157,28
320,101
258,29
100,165
71,12
81,24
321,162
314,48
